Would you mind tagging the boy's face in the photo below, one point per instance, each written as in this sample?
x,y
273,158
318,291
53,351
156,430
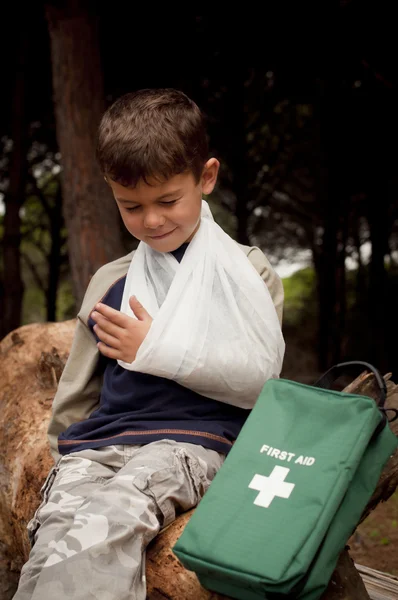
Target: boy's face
x,y
165,215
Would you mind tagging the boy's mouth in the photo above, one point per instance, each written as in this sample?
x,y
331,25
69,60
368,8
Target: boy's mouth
x,y
160,237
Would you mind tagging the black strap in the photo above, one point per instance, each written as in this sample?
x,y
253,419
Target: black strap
x,y
390,410
350,368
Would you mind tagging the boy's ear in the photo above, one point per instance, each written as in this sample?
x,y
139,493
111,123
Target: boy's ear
x,y
209,175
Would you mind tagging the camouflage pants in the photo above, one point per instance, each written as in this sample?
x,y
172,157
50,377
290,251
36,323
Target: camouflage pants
x,y
100,510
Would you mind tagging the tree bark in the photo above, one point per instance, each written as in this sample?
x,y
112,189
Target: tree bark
x,y
360,281
54,258
340,286
90,213
346,583
378,325
10,317
32,359
333,202
326,255
237,148
326,286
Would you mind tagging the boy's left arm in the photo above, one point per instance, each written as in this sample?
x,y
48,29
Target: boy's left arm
x,y
79,387
270,277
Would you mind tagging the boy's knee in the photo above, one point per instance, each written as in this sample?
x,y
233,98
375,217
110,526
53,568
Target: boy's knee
x,y
179,485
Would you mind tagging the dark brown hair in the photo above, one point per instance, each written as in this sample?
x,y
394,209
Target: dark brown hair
x,y
152,134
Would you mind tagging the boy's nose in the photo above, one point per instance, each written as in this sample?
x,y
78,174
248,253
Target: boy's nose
x,y
152,220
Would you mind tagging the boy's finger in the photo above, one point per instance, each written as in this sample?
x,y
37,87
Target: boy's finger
x,y
109,340
111,314
107,351
107,325
139,311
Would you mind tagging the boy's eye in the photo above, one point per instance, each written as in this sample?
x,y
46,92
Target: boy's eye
x,y
165,202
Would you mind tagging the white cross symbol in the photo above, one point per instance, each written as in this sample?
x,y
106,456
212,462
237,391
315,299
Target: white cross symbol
x,y
272,486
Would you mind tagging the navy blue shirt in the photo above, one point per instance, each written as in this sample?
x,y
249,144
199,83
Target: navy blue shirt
x,y
137,408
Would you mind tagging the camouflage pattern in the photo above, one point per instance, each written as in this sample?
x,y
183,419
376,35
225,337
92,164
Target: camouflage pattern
x,y
100,510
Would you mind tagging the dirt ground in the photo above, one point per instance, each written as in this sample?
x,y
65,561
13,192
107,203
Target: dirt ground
x,y
375,542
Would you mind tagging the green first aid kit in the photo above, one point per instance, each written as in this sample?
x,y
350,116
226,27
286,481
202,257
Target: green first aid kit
x,y
290,492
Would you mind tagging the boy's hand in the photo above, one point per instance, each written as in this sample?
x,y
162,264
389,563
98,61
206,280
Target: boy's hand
x,y
121,335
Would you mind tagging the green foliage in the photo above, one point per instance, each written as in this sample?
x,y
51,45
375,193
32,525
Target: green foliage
x,y
385,541
34,303
300,298
374,533
222,216
33,306
66,305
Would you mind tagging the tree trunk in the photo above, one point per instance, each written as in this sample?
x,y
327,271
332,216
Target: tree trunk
x,y
10,317
236,131
90,213
326,254
340,284
328,277
54,259
360,281
377,317
333,183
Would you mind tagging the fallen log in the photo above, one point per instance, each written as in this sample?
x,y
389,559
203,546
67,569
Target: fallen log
x,y
380,586
32,359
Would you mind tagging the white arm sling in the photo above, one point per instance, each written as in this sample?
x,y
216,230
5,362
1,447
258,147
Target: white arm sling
x,y
215,329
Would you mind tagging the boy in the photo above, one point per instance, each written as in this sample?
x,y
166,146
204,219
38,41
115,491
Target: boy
x,y
132,450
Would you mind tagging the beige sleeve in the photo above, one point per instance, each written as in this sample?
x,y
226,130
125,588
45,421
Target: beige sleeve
x,y
79,387
270,277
